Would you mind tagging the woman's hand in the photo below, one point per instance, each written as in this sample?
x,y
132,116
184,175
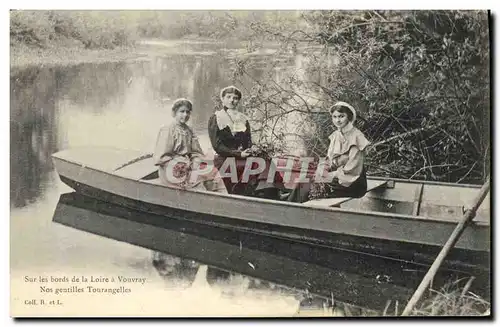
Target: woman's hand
x,y
246,153
196,161
330,166
163,160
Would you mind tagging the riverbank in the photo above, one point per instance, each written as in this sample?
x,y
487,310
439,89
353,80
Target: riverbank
x,y
58,37
22,56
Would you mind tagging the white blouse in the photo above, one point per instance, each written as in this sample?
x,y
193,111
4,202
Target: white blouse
x,y
346,154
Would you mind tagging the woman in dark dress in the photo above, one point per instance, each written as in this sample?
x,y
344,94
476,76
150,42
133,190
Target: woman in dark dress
x,y
230,135
229,132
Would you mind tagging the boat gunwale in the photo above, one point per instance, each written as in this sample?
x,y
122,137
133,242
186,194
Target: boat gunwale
x,y
395,179
216,195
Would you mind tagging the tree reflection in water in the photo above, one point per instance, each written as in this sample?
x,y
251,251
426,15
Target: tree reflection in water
x,y
32,133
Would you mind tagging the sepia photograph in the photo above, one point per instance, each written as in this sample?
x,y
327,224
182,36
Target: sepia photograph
x,y
250,163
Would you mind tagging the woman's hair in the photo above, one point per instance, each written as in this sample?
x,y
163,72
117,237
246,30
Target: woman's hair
x,y
230,89
181,102
344,108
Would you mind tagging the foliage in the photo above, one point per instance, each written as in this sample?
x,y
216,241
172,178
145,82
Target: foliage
x,y
227,25
88,29
420,80
110,29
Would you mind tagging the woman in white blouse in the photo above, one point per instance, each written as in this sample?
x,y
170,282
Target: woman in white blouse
x,y
346,156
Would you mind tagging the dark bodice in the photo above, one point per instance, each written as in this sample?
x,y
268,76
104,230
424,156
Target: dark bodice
x,y
223,141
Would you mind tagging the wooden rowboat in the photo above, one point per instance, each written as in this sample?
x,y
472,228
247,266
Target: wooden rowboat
x,y
402,220
320,271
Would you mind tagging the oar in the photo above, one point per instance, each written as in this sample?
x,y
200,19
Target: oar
x,y
468,216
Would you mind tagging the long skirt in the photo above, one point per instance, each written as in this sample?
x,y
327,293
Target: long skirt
x,y
212,182
304,192
256,183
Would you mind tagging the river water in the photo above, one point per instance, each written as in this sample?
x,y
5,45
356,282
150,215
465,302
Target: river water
x,y
119,104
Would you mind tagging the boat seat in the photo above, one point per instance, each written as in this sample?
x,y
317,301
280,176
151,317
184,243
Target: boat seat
x,y
336,202
155,181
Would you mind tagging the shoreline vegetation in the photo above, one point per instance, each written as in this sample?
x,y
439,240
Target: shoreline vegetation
x,y
420,79
72,37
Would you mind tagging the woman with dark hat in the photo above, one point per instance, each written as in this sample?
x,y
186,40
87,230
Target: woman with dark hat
x,y
345,159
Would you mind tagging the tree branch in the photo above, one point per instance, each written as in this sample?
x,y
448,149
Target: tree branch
x,y
406,134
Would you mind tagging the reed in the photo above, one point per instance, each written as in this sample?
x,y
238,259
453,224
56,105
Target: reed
x,y
450,300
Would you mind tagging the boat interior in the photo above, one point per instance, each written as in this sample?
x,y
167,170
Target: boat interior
x,y
422,199
415,198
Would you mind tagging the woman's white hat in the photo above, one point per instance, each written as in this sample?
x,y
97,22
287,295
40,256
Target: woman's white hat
x,y
229,87
344,104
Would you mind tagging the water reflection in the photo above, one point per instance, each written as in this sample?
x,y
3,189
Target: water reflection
x,y
197,255
107,104
93,87
33,133
325,270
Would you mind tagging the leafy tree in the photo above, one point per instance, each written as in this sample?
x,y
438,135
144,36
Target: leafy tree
x,y
420,80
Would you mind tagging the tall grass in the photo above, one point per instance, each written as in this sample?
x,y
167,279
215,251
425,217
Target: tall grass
x,y
450,300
